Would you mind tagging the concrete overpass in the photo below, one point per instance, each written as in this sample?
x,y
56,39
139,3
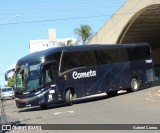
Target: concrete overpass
x,y
135,21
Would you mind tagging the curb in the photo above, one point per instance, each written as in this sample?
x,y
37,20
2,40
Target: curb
x,y
157,93
153,95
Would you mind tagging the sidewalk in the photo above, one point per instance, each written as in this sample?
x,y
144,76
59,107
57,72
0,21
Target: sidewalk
x,y
2,118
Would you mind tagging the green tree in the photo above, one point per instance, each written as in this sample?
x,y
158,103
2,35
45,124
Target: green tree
x,y
10,82
85,32
69,43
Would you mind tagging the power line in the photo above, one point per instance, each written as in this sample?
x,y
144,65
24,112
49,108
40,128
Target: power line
x,y
60,19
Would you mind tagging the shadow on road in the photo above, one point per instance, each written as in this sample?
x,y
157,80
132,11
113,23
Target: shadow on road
x,y
77,101
87,99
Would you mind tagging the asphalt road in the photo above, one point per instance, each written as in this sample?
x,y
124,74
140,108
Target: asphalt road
x,y
142,107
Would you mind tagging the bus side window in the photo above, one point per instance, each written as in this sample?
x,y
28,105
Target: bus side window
x,y
87,58
123,54
54,56
130,54
141,52
114,55
102,57
48,74
69,61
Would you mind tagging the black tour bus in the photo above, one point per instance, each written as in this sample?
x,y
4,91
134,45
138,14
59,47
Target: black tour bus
x,y
63,73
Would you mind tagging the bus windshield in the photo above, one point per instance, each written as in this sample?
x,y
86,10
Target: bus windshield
x,y
27,77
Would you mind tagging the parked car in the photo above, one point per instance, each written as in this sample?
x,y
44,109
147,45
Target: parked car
x,y
7,93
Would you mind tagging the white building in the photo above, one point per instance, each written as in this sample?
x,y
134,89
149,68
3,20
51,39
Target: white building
x,y
52,41
38,45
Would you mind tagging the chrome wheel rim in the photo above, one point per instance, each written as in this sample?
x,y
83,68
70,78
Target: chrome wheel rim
x,y
134,85
70,96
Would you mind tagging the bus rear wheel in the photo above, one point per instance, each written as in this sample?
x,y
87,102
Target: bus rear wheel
x,y
134,85
69,98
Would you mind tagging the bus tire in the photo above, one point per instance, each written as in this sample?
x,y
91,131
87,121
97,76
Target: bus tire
x,y
69,97
134,85
44,107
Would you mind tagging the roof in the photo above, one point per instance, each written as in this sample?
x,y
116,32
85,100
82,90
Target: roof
x,y
44,53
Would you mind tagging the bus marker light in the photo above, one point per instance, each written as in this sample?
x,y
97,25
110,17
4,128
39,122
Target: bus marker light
x,y
52,91
53,85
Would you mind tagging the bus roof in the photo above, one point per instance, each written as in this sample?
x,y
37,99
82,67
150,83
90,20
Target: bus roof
x,y
44,53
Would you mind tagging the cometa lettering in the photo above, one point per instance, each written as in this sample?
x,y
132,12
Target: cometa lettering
x,y
88,74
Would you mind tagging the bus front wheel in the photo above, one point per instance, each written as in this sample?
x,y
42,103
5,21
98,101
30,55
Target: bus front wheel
x,y
69,97
134,85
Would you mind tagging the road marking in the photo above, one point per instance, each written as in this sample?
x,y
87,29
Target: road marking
x,y
57,113
148,99
151,96
70,111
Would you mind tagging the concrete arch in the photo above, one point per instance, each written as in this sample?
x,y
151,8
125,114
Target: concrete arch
x,y
136,21
131,23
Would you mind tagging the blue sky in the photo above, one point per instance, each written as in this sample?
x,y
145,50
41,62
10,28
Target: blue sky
x,y
21,21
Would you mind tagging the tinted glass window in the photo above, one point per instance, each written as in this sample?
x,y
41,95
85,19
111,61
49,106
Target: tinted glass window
x,y
7,89
123,54
70,60
130,54
54,56
76,59
48,75
141,52
114,55
102,56
87,58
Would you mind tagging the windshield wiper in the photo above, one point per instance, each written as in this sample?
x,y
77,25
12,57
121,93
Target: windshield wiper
x,y
31,89
19,90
